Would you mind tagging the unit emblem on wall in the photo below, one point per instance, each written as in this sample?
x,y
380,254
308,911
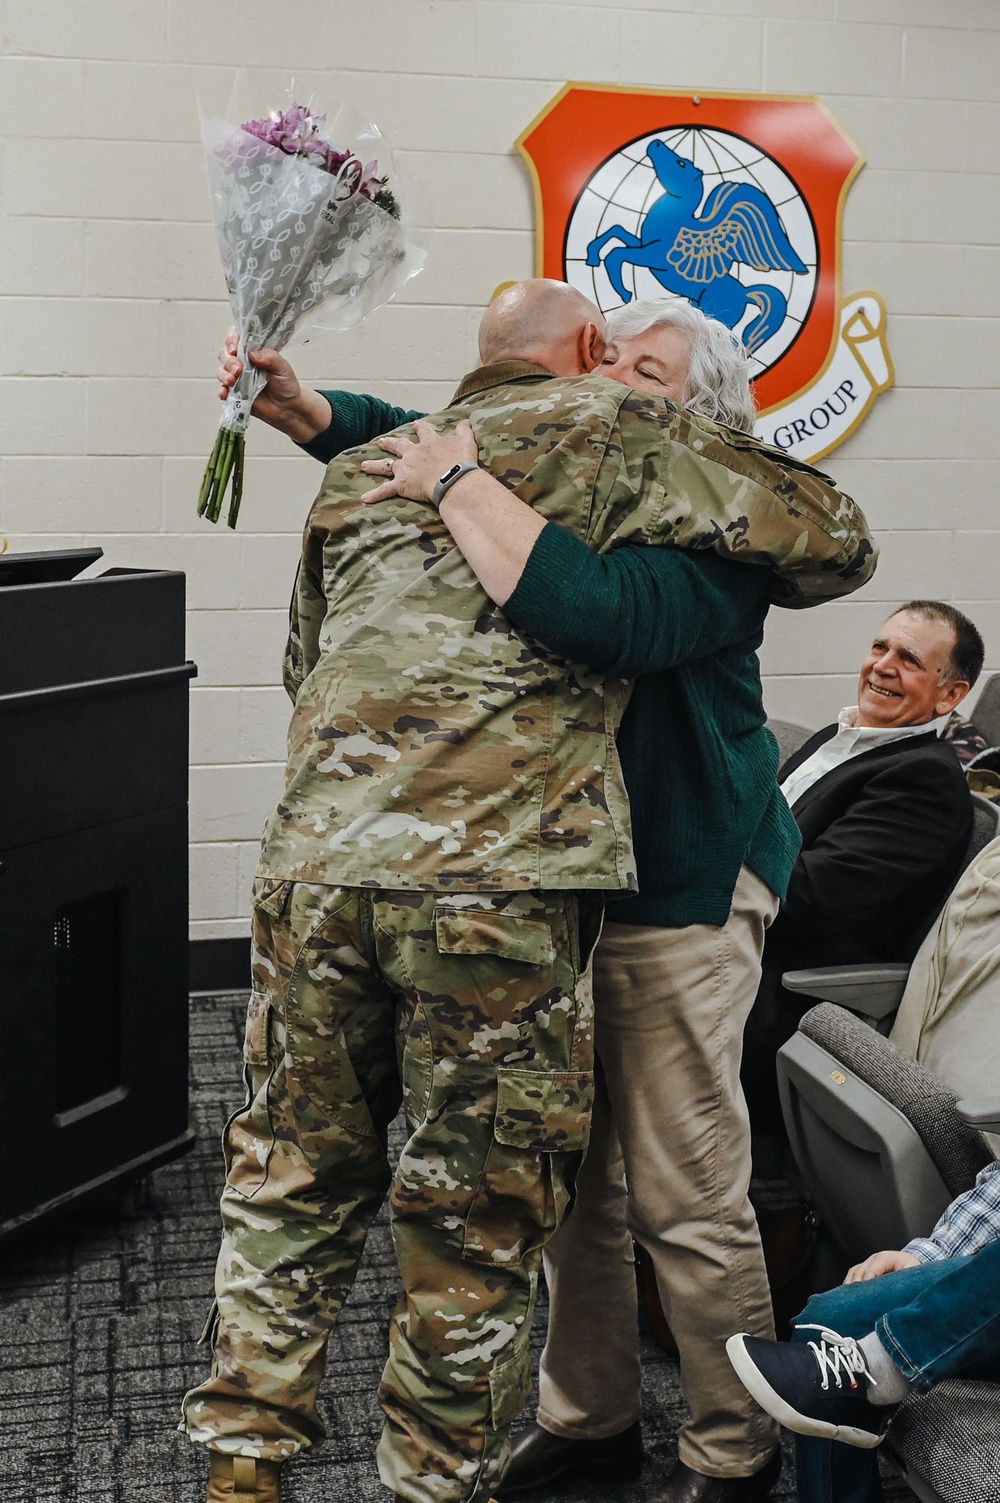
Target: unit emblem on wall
x,y
735,203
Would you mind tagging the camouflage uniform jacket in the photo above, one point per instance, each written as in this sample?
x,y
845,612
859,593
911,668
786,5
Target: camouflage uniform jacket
x,y
433,746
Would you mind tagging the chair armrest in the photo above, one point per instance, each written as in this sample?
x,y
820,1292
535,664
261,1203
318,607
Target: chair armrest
x,y
873,990
982,1113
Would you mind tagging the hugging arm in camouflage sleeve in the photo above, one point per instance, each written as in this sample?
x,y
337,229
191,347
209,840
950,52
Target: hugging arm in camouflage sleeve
x,y
717,489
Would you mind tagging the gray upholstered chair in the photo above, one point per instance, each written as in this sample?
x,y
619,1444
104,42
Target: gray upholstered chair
x,y
946,1443
877,1139
789,737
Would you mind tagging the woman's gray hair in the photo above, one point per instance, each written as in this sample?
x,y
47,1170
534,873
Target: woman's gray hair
x,y
718,384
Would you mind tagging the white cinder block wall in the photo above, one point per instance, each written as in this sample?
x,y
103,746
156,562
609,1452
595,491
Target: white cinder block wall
x,y
112,303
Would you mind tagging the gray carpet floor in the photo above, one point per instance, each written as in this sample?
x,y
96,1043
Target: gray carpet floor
x,y
100,1315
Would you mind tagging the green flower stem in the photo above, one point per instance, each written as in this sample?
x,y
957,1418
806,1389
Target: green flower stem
x,y
237,496
225,465
215,504
205,493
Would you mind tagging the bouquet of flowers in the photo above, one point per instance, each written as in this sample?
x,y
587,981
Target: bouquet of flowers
x,y
310,234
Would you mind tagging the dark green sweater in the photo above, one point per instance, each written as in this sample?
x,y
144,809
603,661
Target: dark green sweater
x,y
698,763
355,419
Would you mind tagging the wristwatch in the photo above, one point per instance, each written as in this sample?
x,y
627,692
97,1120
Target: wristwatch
x,y
444,483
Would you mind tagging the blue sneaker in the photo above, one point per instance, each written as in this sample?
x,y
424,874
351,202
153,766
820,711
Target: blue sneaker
x,y
819,1388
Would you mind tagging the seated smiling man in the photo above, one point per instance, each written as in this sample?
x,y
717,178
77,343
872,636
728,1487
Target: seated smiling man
x,y
885,815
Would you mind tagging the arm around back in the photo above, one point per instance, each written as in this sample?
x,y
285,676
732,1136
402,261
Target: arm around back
x,y
636,609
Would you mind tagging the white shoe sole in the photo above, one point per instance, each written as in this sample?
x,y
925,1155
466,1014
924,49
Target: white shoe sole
x,y
778,1408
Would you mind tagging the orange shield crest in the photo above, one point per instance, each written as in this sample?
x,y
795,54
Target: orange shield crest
x,y
735,203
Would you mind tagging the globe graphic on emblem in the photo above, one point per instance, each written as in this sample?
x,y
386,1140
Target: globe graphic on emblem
x,y
625,187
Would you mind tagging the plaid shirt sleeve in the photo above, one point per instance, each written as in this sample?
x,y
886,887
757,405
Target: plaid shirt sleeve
x,y
969,1223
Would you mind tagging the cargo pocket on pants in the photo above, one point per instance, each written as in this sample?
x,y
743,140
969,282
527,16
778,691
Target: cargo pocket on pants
x,y
510,1383
494,933
249,1134
539,1134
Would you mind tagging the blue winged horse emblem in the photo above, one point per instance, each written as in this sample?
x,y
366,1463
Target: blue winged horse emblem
x,y
692,255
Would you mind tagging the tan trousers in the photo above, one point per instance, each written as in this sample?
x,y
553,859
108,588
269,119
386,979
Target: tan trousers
x,y
670,1118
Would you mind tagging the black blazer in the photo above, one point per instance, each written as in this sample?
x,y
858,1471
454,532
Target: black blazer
x,y
884,836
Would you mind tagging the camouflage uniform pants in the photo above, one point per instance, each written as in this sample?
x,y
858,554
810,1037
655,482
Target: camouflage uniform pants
x,y
479,1007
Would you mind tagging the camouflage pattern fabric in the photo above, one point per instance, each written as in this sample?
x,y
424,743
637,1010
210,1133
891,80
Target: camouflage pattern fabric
x,y
485,1003
431,745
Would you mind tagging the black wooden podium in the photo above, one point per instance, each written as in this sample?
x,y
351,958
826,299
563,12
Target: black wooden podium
x,y
93,879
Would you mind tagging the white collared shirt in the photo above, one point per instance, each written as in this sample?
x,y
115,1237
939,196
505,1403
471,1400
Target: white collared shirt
x,y
850,740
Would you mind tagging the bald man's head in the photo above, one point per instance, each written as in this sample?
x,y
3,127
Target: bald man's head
x,y
545,321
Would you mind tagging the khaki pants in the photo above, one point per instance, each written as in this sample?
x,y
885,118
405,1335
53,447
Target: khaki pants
x,y
671,1005
480,1007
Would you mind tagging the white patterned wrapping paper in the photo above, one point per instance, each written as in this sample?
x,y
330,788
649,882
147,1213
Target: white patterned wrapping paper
x,y
299,249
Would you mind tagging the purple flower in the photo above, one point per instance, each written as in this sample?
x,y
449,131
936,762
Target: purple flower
x,y
338,161
371,184
294,131
297,132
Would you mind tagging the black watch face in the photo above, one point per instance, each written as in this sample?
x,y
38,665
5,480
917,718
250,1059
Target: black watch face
x,y
449,474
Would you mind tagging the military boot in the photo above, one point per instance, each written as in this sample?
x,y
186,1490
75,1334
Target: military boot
x,y
241,1479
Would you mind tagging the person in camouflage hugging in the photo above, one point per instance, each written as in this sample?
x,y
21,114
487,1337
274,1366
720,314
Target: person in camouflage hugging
x,y
428,896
